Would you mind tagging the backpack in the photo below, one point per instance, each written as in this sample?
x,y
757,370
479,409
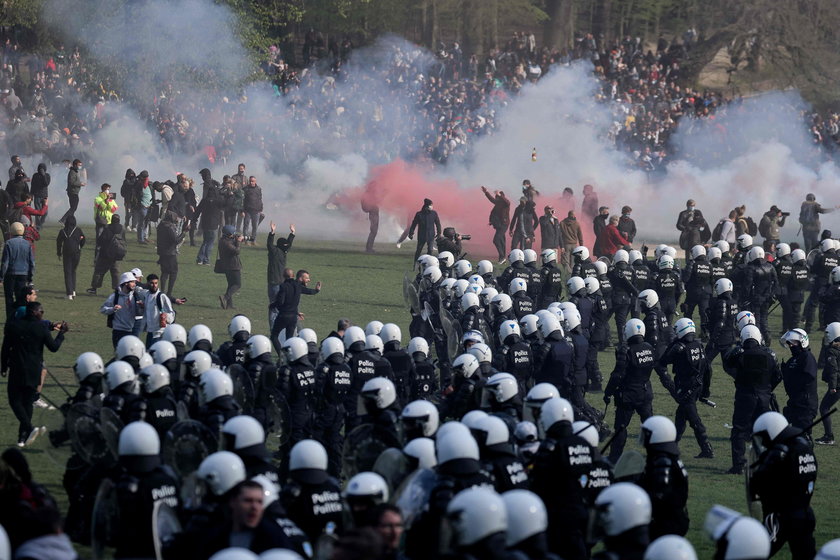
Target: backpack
x,y
752,229
160,305
109,321
116,248
764,226
716,233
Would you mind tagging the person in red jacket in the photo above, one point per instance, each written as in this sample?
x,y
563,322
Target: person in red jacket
x,y
611,239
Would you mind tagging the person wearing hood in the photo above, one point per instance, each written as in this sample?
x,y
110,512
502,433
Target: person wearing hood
x,y
168,241
277,252
210,213
40,192
427,224
230,264
74,187
106,259
69,243
128,191
144,201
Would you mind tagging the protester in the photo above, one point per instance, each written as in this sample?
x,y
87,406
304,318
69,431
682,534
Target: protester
x,y
74,187
69,243
110,249
104,207
253,208
229,264
17,267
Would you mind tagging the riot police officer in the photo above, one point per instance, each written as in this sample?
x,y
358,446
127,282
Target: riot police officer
x,y
795,288
262,371
245,436
161,408
577,296
362,366
599,335
723,312
379,400
583,266
784,272
89,370
164,353
698,287
831,376
669,286
522,304
215,397
552,278
535,287
501,397
624,513
472,316
689,361
830,298
466,387
759,286
195,363
375,348
124,392
799,375
332,380
820,271
556,358
516,269
402,364
479,521
641,274
426,382
234,350
177,335
658,332
527,525
498,455
200,337
756,373
515,355
664,478
783,480
624,292
297,384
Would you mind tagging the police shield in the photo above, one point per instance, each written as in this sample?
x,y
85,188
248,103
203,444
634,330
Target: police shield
x,y
629,466
276,419
410,296
412,497
812,257
453,332
86,437
362,447
182,412
186,445
111,425
392,465
56,444
105,519
753,502
243,388
165,525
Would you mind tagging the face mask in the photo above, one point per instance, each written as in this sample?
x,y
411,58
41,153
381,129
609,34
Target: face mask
x,y
691,208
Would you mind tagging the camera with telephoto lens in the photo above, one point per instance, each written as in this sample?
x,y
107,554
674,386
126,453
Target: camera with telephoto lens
x,y
785,214
450,233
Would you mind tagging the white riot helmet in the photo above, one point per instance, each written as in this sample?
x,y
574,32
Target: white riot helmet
x,y
575,284
829,551
234,553
432,274
684,326
580,253
175,333
271,490
530,256
330,347
767,428
782,250
621,507
473,336
242,432
460,287
670,547
798,255
659,250
454,443
418,344
153,377
502,302
698,251
162,351
145,360
380,392
390,333
826,245
501,387
214,384
634,256
120,373
657,429
374,342
258,345
751,332
446,287
475,514
446,258
221,471
199,333
486,296
239,323
571,319
516,255
481,352
422,416
592,285
588,431
530,323
549,255
130,346
665,262
5,545
508,328
549,325
834,275
484,267
634,327
601,267
517,285
492,430
476,279
526,516
197,362
743,319
621,256
308,335
373,327
462,268
423,450
796,336
737,536
295,348
723,285
468,301
308,455
713,253
426,261
723,246
465,365
88,363
367,486
744,240
832,333
754,254
555,410
535,398
648,298
138,439
353,335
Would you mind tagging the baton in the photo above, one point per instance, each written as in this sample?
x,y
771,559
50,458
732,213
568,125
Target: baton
x,y
609,441
57,407
707,402
57,382
772,309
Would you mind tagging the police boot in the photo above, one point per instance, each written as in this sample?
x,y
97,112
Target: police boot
x,y
706,451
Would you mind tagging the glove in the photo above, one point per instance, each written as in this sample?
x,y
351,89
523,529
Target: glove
x,y
607,399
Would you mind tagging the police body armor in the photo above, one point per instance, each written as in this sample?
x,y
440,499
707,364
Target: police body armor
x,y
585,269
668,286
641,276
699,278
233,352
426,382
403,370
798,282
755,368
556,365
719,270
760,281
722,314
161,410
299,382
552,283
622,284
784,273
128,406
534,283
516,359
136,497
633,387
522,305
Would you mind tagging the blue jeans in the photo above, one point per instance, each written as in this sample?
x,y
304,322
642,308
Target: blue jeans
x,y
140,217
272,295
206,246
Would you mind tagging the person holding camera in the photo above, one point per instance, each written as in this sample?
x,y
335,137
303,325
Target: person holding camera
x,y
229,264
104,207
451,241
770,226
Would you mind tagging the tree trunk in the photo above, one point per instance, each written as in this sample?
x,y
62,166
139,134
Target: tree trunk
x,y
559,27
473,14
429,23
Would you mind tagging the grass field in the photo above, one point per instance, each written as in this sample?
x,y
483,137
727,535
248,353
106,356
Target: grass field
x,y
365,287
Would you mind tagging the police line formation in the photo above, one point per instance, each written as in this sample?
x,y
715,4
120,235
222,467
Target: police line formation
x,y
489,451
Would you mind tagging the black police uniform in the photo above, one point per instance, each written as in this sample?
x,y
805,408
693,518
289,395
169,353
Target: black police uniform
x,y
598,337
799,375
522,305
515,358
630,384
501,461
759,286
821,270
666,482
795,296
669,287
556,364
515,270
297,384
187,393
784,481
298,539
218,411
584,269
830,302
756,374
784,274
698,290
234,351
831,376
473,320
332,379
128,406
689,361
624,294
723,312
535,279
312,499
161,410
552,284
402,367
426,382
363,368
641,280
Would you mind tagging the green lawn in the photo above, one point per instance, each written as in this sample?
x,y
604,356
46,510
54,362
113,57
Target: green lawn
x,y
364,287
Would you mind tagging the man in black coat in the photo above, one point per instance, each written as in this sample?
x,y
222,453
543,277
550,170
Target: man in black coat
x,y
277,252
499,219
105,261
210,212
69,243
427,224
168,241
693,228
22,357
523,225
286,304
40,192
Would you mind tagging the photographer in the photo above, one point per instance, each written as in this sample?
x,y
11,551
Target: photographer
x,y
104,207
770,226
451,241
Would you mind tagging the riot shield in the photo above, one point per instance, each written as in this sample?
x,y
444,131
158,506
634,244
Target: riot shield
x,y
105,519
412,300
278,419
165,525
454,333
182,412
753,503
86,437
243,388
56,444
186,445
362,447
393,466
811,258
412,496
111,425
193,491
629,466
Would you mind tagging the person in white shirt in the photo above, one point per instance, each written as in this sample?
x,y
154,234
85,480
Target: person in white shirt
x,y
158,311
